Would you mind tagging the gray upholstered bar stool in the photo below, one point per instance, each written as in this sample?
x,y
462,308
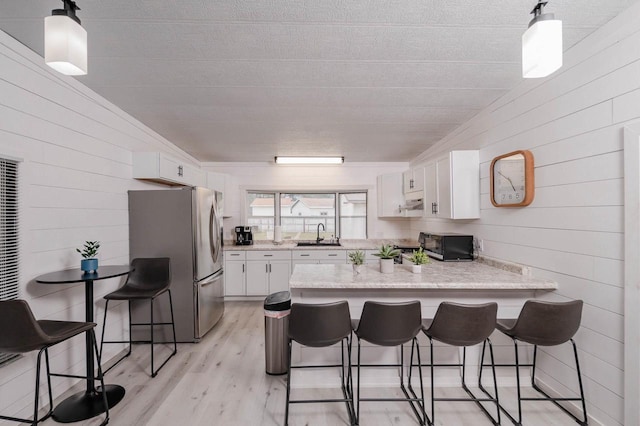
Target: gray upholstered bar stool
x,y
20,333
320,326
543,323
150,278
462,325
392,324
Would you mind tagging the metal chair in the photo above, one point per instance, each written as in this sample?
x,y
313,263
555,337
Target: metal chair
x,y
543,323
392,324
21,333
462,325
150,278
318,326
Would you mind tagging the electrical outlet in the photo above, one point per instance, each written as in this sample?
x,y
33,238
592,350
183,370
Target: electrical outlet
x,y
481,245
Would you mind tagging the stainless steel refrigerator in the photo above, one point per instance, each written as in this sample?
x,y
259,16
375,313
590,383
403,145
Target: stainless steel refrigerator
x,y
185,225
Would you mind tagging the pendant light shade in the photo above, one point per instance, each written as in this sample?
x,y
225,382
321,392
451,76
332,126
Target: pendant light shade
x,y
65,41
542,45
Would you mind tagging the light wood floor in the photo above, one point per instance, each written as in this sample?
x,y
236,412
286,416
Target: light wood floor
x,y
221,381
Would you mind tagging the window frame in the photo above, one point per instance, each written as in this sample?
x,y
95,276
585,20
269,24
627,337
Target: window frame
x,y
335,192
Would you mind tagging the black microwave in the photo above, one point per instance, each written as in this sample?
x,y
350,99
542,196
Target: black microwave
x,y
449,247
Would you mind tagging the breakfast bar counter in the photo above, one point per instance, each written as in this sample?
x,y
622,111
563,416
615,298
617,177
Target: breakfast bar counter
x,y
462,282
436,275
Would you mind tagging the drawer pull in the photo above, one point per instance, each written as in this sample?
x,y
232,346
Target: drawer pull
x,y
333,255
305,255
268,255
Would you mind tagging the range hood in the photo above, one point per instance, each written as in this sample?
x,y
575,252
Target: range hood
x,y
416,204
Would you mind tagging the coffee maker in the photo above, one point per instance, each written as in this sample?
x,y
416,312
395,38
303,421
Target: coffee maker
x,y
244,236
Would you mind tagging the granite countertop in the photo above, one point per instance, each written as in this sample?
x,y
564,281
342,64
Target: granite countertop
x,y
436,275
345,245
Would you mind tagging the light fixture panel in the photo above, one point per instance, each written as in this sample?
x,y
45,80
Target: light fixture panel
x,y
542,48
309,160
65,45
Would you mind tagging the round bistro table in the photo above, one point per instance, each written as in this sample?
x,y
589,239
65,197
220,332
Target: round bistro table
x,y
86,404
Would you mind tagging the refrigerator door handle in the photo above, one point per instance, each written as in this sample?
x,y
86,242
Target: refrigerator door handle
x,y
214,235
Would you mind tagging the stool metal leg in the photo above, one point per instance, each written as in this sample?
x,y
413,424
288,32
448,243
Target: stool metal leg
x,y
584,420
101,378
102,341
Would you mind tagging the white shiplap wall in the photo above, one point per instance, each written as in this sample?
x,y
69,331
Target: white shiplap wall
x,y
77,153
256,176
573,231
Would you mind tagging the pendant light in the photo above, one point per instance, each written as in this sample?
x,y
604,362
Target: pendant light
x,y
65,41
541,44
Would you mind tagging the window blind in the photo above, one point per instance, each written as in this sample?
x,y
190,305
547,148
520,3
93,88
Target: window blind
x,y
9,236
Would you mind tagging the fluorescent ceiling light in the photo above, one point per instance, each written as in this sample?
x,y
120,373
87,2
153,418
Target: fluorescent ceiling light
x,y
309,160
541,44
65,41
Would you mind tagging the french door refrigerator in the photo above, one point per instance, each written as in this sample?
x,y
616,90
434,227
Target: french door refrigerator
x,y
185,225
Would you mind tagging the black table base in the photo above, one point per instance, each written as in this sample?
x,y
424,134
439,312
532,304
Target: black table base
x,y
85,405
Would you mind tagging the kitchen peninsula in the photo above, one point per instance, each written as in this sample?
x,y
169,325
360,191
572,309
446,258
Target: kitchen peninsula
x,y
463,282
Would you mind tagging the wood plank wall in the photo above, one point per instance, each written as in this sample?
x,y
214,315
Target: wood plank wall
x,y
572,233
76,149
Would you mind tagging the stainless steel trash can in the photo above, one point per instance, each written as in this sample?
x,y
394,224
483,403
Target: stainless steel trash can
x,y
277,307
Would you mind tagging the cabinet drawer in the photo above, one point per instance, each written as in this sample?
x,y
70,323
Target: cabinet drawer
x,y
269,255
234,255
319,255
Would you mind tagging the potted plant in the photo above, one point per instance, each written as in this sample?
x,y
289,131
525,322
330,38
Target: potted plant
x,y
357,260
386,253
89,251
418,258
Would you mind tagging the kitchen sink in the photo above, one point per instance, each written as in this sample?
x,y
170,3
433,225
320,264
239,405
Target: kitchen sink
x,y
320,244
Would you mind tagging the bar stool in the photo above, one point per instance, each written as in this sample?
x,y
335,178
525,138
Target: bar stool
x,y
21,333
150,278
543,323
392,324
319,326
462,325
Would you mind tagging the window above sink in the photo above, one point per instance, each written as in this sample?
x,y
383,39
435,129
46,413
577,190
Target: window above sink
x,y
306,216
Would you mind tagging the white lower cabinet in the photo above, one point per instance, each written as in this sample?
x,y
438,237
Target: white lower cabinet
x,y
267,272
235,273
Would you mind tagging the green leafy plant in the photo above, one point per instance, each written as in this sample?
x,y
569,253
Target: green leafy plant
x,y
386,251
419,257
90,249
356,257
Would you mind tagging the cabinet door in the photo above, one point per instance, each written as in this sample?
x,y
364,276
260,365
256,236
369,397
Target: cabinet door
x,y
407,181
170,169
279,273
418,178
234,278
444,187
430,190
257,278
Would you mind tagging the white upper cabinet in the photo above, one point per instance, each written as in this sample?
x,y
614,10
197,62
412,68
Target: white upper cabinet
x,y
162,168
390,195
413,181
452,186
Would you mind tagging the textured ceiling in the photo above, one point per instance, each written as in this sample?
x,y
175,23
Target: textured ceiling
x,y
372,80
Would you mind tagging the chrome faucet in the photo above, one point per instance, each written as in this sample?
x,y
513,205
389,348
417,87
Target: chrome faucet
x,y
318,239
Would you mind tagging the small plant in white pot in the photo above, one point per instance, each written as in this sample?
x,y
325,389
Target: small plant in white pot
x,y
418,258
386,253
357,260
89,263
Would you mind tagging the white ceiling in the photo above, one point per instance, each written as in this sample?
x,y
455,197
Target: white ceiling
x,y
373,80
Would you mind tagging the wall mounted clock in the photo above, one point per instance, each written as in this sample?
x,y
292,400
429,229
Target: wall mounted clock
x,y
512,182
